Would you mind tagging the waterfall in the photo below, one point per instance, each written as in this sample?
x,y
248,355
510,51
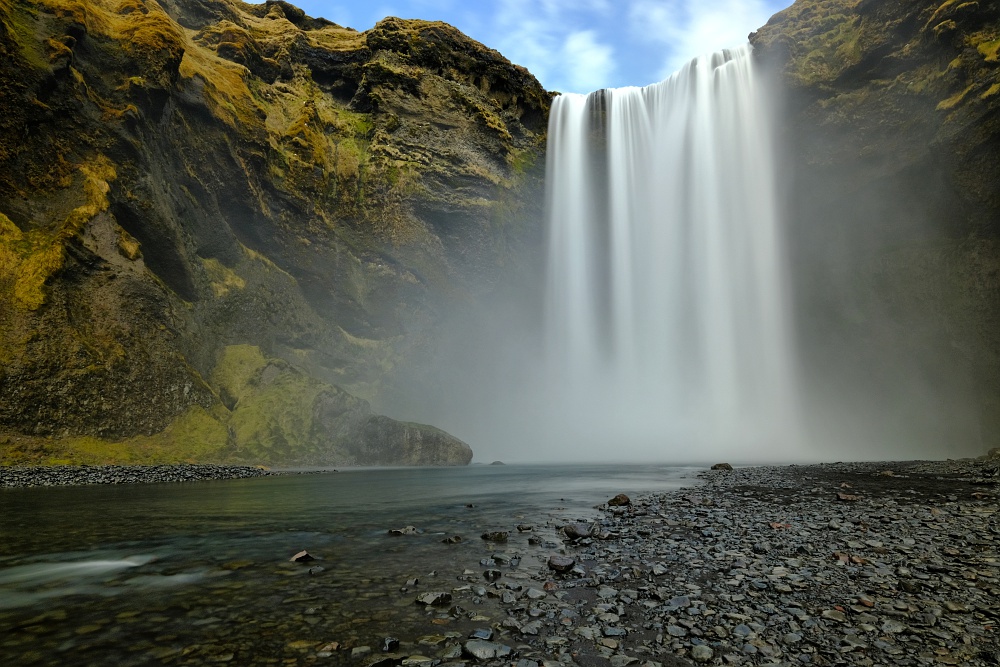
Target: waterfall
x,y
667,299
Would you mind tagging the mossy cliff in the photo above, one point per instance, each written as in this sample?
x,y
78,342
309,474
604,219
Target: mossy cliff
x,y
186,181
894,148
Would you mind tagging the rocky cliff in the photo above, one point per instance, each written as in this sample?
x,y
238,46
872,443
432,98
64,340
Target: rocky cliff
x,y
223,226
894,140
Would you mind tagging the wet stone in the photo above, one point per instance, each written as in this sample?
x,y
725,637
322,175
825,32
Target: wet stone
x,y
561,563
485,650
434,599
496,535
702,653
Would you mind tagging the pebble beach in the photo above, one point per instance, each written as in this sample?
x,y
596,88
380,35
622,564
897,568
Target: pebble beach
x,y
834,564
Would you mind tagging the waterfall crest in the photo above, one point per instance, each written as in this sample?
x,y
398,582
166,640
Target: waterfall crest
x,y
667,299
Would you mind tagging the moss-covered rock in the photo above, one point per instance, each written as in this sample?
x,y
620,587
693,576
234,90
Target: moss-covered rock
x,y
894,138
181,177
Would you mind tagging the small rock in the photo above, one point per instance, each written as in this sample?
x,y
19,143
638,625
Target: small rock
x,y
576,531
702,653
484,650
531,628
722,466
561,563
621,500
390,644
434,599
406,530
301,557
454,539
496,535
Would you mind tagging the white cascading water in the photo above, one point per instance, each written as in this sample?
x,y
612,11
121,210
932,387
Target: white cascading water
x,y
667,298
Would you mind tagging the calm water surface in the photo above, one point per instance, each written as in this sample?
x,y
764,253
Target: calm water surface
x,y
199,573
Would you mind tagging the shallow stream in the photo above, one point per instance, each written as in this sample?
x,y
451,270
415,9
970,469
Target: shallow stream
x,y
200,574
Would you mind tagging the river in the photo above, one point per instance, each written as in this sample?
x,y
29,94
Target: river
x,y
200,573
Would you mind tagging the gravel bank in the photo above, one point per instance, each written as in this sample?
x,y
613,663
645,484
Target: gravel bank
x,y
841,564
75,475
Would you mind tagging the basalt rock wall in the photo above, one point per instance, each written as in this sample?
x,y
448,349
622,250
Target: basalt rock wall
x,y
893,187
181,182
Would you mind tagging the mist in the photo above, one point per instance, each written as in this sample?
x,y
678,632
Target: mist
x,y
696,298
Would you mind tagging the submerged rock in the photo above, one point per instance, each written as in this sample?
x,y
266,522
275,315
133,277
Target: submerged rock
x,y
496,535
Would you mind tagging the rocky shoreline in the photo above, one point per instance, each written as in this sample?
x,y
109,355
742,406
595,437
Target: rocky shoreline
x,y
867,564
25,476
838,564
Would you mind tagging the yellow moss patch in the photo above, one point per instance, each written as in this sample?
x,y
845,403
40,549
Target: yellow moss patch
x,y
128,246
954,100
990,50
335,38
28,260
223,278
226,91
197,435
993,90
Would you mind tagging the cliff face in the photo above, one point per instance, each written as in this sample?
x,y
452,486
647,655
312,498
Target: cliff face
x,y
194,182
894,141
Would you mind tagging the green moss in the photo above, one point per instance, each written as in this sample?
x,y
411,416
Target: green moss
x,y
236,368
197,435
275,422
28,260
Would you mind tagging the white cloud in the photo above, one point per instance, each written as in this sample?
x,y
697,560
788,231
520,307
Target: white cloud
x,y
551,39
586,63
689,28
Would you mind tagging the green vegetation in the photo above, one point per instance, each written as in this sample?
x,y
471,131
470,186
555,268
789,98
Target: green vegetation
x,y
259,140
28,260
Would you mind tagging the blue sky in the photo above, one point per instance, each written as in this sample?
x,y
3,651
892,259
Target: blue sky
x,y
578,45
